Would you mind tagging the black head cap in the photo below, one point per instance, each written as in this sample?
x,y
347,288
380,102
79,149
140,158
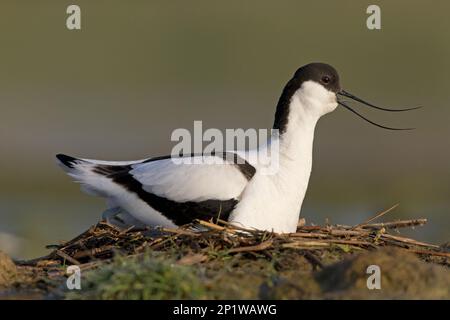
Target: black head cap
x,y
321,73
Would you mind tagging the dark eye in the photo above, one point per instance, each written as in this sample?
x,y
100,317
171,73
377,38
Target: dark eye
x,y
326,79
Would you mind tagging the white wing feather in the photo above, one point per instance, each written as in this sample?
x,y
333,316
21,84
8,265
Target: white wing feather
x,y
182,182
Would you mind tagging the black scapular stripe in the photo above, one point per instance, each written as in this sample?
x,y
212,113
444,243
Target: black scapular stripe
x,y
107,170
179,213
244,167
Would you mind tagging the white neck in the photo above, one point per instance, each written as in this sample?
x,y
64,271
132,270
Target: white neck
x,y
296,149
297,139
273,202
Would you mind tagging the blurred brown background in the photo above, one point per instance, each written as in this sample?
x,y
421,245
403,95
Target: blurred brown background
x,y
137,70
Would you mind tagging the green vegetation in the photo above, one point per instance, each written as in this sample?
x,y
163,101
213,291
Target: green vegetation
x,y
145,277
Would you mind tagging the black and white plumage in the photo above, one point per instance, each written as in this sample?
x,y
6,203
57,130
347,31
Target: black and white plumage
x,y
160,192
174,194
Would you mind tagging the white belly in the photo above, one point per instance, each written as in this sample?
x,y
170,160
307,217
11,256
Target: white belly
x,y
269,204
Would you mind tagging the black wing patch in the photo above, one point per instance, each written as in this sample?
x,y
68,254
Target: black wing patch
x,y
179,213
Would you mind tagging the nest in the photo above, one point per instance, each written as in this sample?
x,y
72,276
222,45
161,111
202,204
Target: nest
x,y
103,241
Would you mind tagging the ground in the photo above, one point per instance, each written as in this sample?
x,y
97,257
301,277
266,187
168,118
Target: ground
x,y
224,263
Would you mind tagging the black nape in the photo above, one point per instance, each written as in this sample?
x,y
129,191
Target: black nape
x,y
321,73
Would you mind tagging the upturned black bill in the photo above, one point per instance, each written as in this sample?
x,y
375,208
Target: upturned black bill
x,y
355,98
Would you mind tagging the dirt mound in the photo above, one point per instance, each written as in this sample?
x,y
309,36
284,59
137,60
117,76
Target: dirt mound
x,y
402,276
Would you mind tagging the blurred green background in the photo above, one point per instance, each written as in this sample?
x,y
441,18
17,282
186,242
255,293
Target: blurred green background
x,y
137,70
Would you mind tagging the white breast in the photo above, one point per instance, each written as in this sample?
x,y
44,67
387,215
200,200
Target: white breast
x,y
273,202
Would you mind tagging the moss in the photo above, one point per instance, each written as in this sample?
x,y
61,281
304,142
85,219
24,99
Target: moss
x,y
147,277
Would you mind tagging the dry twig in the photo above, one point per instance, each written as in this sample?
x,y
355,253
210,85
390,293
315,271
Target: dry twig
x,y
100,242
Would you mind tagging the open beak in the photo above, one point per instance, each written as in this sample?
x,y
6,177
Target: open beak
x,y
346,94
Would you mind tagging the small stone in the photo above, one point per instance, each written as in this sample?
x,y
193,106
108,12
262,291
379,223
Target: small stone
x,y
301,222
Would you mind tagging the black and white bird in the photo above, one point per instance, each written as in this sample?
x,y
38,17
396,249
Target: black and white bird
x,y
159,192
